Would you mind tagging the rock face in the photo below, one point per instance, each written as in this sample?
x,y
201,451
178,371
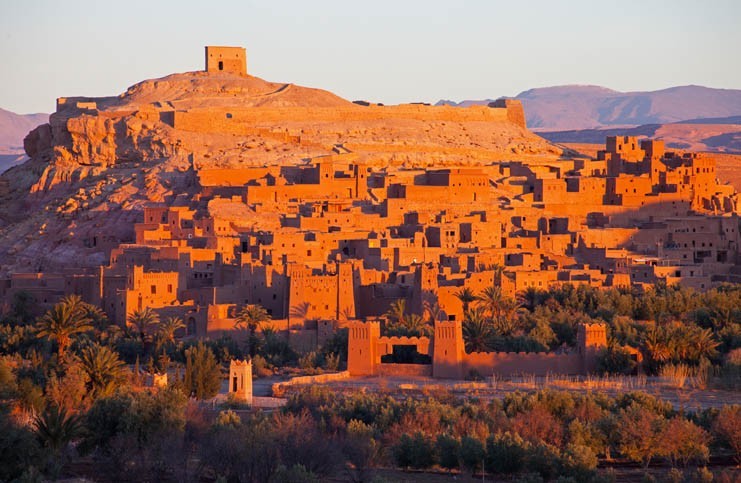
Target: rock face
x,y
100,160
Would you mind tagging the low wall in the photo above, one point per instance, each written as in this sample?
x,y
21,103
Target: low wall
x,y
512,363
279,387
388,369
268,402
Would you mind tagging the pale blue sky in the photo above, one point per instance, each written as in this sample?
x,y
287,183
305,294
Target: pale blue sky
x,y
379,50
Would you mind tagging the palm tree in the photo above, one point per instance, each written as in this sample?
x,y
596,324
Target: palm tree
x,y
251,317
143,322
657,347
509,321
397,311
63,321
478,333
466,296
104,369
530,298
55,428
167,329
492,298
433,311
702,344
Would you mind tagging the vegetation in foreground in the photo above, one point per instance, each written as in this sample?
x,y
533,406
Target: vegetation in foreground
x,y
72,398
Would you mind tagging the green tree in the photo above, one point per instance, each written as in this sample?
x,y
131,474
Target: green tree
x,y
251,317
448,450
361,450
55,428
640,433
65,320
144,323
505,453
683,441
478,333
466,296
416,451
727,428
615,359
105,371
472,453
19,449
167,329
202,372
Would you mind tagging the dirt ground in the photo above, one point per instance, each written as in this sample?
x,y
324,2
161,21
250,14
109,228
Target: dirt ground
x,y
687,397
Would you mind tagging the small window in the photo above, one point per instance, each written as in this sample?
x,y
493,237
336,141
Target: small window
x,y
154,289
221,65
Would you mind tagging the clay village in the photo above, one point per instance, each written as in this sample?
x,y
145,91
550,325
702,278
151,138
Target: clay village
x,y
310,242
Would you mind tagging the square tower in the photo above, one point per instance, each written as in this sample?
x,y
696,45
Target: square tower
x,y
240,380
226,59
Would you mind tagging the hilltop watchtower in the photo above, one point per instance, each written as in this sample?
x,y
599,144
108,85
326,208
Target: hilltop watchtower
x,y
226,59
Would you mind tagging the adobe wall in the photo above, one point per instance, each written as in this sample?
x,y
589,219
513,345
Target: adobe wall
x,y
404,370
512,363
239,120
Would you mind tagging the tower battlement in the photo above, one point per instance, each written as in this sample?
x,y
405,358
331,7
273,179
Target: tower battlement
x,y
226,59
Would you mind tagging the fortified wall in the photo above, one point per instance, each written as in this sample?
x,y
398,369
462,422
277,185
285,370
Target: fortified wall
x,y
446,349
241,120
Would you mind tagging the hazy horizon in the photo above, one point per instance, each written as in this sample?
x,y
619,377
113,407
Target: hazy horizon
x,y
389,52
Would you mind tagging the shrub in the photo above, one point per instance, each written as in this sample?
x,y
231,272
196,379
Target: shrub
x,y
472,453
260,367
448,450
505,453
332,362
683,441
414,451
228,418
579,462
727,428
310,361
614,359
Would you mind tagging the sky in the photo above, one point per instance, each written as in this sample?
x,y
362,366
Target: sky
x,y
382,51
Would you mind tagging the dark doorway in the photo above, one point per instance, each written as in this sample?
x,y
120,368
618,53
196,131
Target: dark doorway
x,y
221,65
406,354
234,384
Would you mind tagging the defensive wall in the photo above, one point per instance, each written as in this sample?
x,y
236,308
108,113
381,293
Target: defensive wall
x,y
241,120
451,361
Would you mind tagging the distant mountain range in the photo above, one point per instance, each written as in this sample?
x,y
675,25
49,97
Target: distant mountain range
x,y
13,128
577,107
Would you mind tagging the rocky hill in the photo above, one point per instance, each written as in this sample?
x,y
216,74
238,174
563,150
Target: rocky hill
x,y
13,127
577,107
100,160
717,135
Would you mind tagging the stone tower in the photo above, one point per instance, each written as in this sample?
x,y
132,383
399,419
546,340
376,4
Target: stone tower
x,y
226,59
591,339
425,287
240,380
362,350
448,350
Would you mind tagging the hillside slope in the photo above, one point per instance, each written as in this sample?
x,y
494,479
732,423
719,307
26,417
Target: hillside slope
x,y
99,161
